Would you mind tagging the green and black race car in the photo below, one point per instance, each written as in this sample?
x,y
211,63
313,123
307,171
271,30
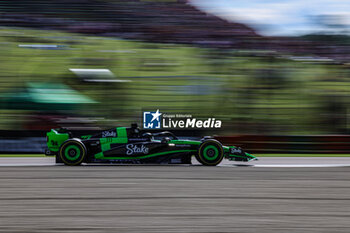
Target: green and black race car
x,y
131,145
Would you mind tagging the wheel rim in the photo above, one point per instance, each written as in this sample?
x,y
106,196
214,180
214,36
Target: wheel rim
x,y
72,152
210,153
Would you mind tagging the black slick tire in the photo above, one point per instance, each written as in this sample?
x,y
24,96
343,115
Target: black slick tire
x,y
72,152
210,153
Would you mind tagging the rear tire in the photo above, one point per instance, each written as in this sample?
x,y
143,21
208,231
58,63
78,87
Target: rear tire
x,y
72,152
210,153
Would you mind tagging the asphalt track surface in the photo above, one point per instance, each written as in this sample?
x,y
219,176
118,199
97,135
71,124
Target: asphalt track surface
x,y
174,199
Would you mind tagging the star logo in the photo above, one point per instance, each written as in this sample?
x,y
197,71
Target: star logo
x,y
152,120
156,115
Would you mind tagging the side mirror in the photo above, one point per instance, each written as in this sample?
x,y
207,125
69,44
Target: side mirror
x,y
165,140
147,135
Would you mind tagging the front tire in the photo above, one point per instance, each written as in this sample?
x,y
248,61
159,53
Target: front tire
x,y
210,153
72,152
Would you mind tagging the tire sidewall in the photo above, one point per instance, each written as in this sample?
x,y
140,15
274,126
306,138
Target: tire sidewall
x,y
210,144
76,145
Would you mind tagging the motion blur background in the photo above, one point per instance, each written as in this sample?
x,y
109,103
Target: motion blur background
x,y
276,72
92,64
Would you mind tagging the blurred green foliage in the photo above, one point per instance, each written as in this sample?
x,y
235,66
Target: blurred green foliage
x,y
251,91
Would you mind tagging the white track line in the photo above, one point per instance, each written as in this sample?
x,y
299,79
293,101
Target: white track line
x,y
27,165
302,165
284,165
276,162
